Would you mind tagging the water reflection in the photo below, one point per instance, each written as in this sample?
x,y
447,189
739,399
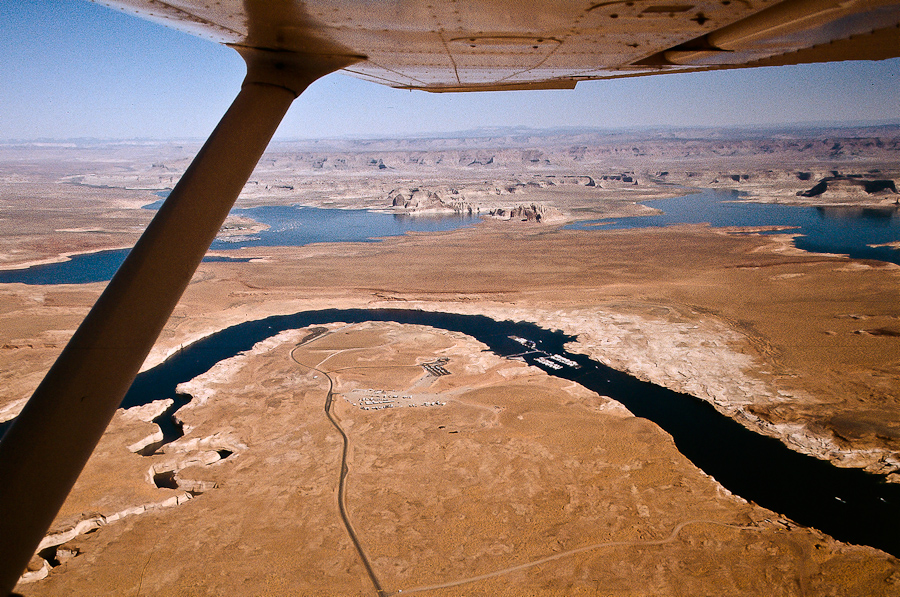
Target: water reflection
x,y
874,215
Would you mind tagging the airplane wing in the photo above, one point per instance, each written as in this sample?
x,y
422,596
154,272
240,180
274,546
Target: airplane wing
x,y
509,44
446,45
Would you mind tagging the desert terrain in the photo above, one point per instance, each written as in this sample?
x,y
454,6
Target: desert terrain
x,y
515,482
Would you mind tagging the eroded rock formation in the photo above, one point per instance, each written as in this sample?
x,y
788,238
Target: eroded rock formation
x,y
851,184
417,199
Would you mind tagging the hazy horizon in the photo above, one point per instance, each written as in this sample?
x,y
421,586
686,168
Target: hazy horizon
x,y
80,70
486,131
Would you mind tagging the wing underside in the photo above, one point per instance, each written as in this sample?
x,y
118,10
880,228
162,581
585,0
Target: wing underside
x,y
508,44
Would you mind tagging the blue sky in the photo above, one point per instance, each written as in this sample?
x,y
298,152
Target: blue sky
x,y
74,69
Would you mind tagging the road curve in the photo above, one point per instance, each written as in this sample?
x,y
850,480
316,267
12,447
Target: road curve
x,y
342,481
564,554
329,399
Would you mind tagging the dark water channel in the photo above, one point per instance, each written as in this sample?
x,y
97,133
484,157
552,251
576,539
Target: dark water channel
x,y
848,504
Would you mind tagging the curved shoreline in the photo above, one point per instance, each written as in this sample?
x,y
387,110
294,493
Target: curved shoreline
x,y
845,503
689,358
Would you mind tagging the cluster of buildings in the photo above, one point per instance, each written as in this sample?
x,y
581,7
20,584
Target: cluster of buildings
x,y
436,368
380,400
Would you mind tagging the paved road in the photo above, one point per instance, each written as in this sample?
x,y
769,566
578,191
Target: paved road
x,y
342,482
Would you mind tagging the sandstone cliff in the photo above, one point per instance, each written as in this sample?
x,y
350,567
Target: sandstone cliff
x,y
850,185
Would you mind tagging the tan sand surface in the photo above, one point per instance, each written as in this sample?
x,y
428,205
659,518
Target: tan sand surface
x,y
517,468
535,484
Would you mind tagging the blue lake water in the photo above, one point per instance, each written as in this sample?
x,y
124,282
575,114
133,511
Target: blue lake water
x,y
296,226
840,230
288,226
80,269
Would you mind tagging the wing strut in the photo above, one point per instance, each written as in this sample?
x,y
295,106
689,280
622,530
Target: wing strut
x,y
45,449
